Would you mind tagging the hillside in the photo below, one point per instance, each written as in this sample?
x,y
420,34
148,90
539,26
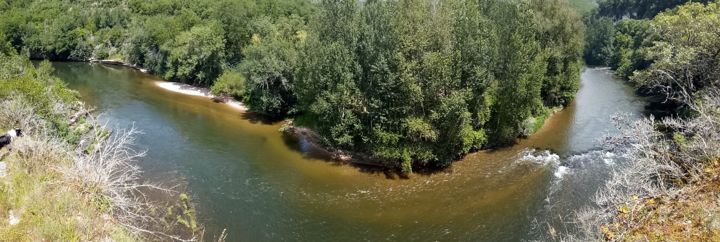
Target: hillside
x,y
70,178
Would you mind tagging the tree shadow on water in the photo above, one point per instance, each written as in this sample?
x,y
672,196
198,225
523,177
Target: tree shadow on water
x,y
258,118
315,151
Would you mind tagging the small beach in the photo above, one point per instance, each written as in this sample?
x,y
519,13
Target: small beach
x,y
197,91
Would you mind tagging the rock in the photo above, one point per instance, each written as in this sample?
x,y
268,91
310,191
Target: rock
x,y
13,219
220,99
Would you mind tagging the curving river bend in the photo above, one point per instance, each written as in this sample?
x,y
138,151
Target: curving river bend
x,y
244,176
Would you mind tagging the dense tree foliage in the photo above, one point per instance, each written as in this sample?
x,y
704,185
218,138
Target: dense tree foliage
x,y
188,41
559,33
672,56
196,55
270,63
638,9
685,53
428,81
613,23
599,40
628,52
413,82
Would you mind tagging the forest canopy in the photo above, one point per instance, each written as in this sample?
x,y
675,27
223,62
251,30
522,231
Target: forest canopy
x,y
412,82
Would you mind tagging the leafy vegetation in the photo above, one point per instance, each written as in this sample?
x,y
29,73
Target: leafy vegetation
x,y
68,178
187,41
602,34
638,9
684,54
417,82
413,82
583,6
599,40
672,173
672,54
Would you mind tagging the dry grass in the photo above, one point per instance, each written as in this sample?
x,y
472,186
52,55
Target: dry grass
x,y
692,214
70,178
668,188
86,189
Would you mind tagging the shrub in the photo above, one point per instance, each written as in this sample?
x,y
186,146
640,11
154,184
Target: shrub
x,y
231,84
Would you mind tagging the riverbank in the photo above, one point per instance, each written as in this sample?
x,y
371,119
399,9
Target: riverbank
x,y
667,188
46,195
201,92
119,63
69,177
692,213
313,143
178,87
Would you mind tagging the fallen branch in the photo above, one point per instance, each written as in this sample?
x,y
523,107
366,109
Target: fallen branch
x,y
82,113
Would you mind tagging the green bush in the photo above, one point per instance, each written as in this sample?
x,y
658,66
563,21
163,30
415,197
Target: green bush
x,y
231,84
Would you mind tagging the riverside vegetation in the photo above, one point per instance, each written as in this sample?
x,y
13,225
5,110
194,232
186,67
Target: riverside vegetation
x,y
413,83
70,178
668,189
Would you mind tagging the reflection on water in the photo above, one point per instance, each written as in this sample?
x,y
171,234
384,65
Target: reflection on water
x,y
244,176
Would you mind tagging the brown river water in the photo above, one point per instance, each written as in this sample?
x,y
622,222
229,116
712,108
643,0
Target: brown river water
x,y
243,175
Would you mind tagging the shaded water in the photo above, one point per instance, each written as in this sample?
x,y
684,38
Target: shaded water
x,y
245,177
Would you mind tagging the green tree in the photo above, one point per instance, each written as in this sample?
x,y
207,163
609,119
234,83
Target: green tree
x,y
685,56
631,38
270,64
519,71
235,17
230,84
419,83
638,9
196,56
599,40
560,35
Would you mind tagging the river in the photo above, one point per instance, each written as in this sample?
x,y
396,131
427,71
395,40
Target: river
x,y
244,176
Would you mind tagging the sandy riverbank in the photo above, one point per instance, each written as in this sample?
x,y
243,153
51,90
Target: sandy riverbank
x,y
197,91
177,87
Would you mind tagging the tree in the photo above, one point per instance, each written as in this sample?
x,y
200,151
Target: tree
x,y
519,71
599,40
686,54
5,47
235,17
638,9
560,35
270,64
230,84
631,38
420,83
196,56
325,80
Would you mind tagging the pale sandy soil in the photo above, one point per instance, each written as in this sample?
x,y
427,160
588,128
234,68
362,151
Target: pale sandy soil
x,y
196,91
